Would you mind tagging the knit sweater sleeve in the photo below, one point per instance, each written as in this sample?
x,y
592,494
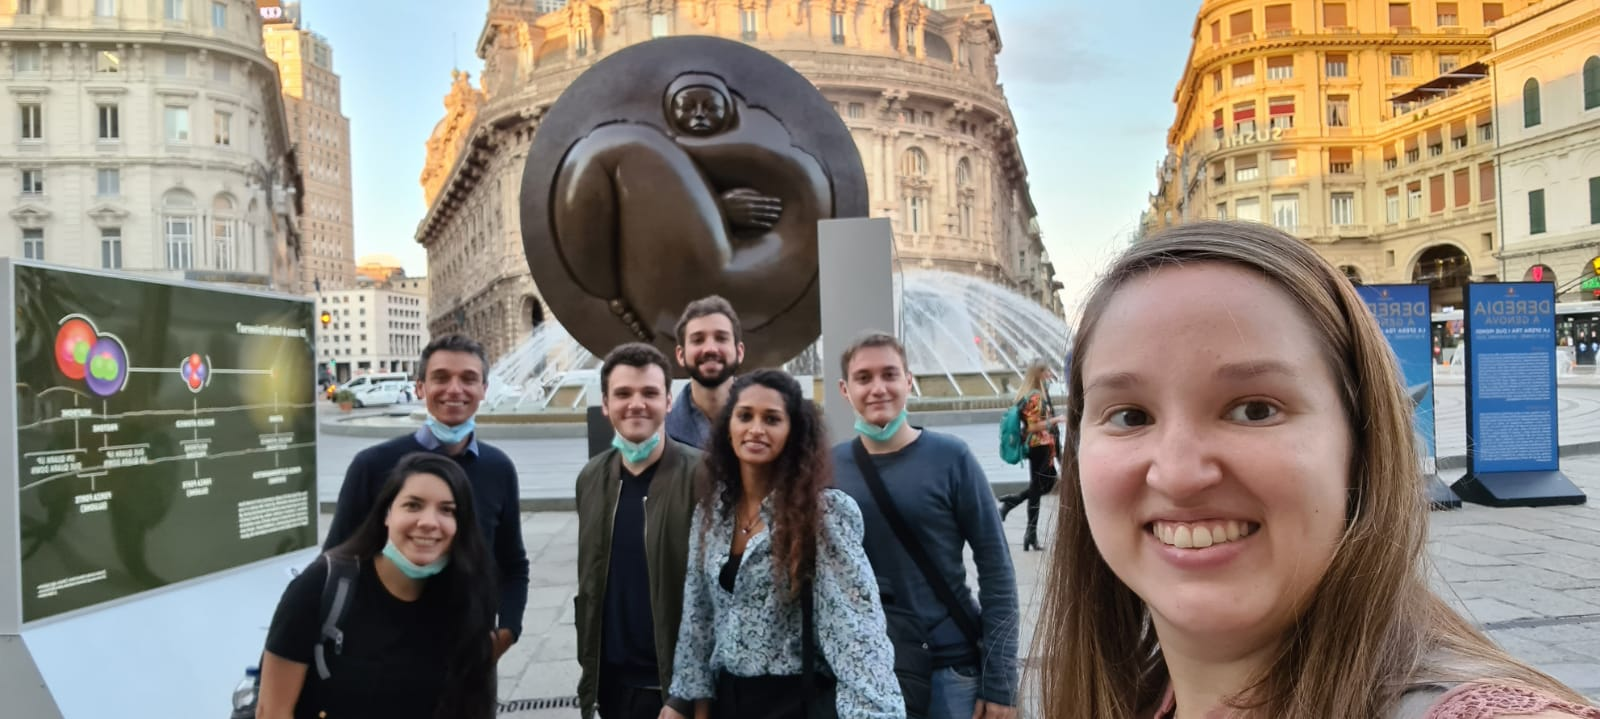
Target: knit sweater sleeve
x,y
1494,701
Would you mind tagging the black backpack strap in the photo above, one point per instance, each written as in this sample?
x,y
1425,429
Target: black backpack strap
x,y
919,554
338,590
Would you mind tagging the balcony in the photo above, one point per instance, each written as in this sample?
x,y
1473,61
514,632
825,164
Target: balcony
x,y
1340,168
1351,231
1242,38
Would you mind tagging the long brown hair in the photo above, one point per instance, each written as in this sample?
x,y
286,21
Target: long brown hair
x,y
799,474
1372,626
1033,379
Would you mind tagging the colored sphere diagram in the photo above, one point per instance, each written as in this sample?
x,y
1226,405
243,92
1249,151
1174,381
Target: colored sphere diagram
x,y
83,353
196,371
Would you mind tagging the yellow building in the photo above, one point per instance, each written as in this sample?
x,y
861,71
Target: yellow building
x,y
321,135
916,82
1364,127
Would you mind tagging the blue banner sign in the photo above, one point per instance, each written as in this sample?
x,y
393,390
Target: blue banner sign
x,y
1511,378
1404,312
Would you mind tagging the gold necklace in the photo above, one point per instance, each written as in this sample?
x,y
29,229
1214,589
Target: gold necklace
x,y
746,527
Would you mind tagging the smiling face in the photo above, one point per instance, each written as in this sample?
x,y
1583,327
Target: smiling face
x,y
877,384
759,427
422,519
452,386
699,110
1214,478
709,353
636,401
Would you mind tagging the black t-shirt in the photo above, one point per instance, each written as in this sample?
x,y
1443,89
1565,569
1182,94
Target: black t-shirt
x,y
393,663
628,628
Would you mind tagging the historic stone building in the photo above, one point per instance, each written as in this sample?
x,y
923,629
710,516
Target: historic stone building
x,y
1365,128
147,137
916,83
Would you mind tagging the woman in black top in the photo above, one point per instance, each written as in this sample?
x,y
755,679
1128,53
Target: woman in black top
x,y
417,630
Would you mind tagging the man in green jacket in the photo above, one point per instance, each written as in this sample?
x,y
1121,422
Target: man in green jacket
x,y
635,505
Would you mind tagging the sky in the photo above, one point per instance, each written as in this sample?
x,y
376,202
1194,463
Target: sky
x,y
1092,106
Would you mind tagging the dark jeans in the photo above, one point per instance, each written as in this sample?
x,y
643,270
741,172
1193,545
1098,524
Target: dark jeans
x,y
1041,480
619,701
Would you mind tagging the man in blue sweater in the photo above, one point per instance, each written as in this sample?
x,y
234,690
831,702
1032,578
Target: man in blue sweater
x,y
710,348
455,373
936,484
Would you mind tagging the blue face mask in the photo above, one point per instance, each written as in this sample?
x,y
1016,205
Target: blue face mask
x,y
880,434
635,452
412,570
448,435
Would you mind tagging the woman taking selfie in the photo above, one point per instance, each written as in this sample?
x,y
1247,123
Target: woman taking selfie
x,y
778,582
416,622
1242,522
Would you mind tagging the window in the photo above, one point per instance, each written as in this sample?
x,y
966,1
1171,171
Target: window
x,y
32,120
1391,205
963,172
1338,111
1448,63
1338,65
177,124
1492,12
105,8
1447,14
1594,204
222,125
1341,161
1414,200
660,25
108,182
916,213
1486,131
1436,194
1458,135
33,244
111,248
107,62
1530,103
914,163
1245,169
1400,65
1284,164
1462,181
1536,212
109,129
1486,182
836,23
1342,208
177,64
1222,210
1216,32
1239,24
1286,211
1334,15
1219,173
219,16
1247,208
1280,68
1244,73
1280,111
1216,124
747,24
1244,118
1399,15
178,217
1279,20
222,237
25,7
1591,83
857,111
28,58
1216,82
174,9
33,181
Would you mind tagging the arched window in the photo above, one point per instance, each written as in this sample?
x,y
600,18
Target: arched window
x,y
1591,82
914,163
964,173
178,223
224,233
1530,103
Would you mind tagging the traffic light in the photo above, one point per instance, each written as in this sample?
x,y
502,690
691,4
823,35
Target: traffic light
x,y
326,319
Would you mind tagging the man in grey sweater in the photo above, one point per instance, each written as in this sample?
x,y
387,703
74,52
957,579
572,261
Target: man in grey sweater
x,y
936,484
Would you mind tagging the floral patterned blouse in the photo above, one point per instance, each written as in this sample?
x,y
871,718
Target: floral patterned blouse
x,y
755,630
1037,408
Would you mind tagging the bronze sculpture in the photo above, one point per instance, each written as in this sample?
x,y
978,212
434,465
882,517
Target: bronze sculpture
x,y
679,168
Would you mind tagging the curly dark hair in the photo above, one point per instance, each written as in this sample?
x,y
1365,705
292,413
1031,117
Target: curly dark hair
x,y
799,474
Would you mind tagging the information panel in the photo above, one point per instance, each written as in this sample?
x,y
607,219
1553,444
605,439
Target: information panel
x,y
1403,313
163,432
1511,383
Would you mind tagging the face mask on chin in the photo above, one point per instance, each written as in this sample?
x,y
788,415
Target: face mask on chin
x,y
880,434
635,452
414,571
449,435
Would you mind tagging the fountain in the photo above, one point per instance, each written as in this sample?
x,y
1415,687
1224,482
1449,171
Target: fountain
x,y
965,339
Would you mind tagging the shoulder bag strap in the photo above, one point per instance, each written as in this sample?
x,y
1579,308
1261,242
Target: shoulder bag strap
x,y
918,553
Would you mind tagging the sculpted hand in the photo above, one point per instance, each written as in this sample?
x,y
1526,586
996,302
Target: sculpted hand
x,y
748,209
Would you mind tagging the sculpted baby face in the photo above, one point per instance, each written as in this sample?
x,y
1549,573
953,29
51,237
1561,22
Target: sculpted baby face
x,y
700,110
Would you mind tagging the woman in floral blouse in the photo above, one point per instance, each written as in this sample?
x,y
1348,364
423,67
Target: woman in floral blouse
x,y
770,530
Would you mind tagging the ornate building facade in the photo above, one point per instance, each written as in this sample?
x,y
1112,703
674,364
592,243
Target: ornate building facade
x,y
1365,128
147,137
917,86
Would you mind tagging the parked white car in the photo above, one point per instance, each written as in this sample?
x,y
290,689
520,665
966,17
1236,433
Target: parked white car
x,y
384,392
